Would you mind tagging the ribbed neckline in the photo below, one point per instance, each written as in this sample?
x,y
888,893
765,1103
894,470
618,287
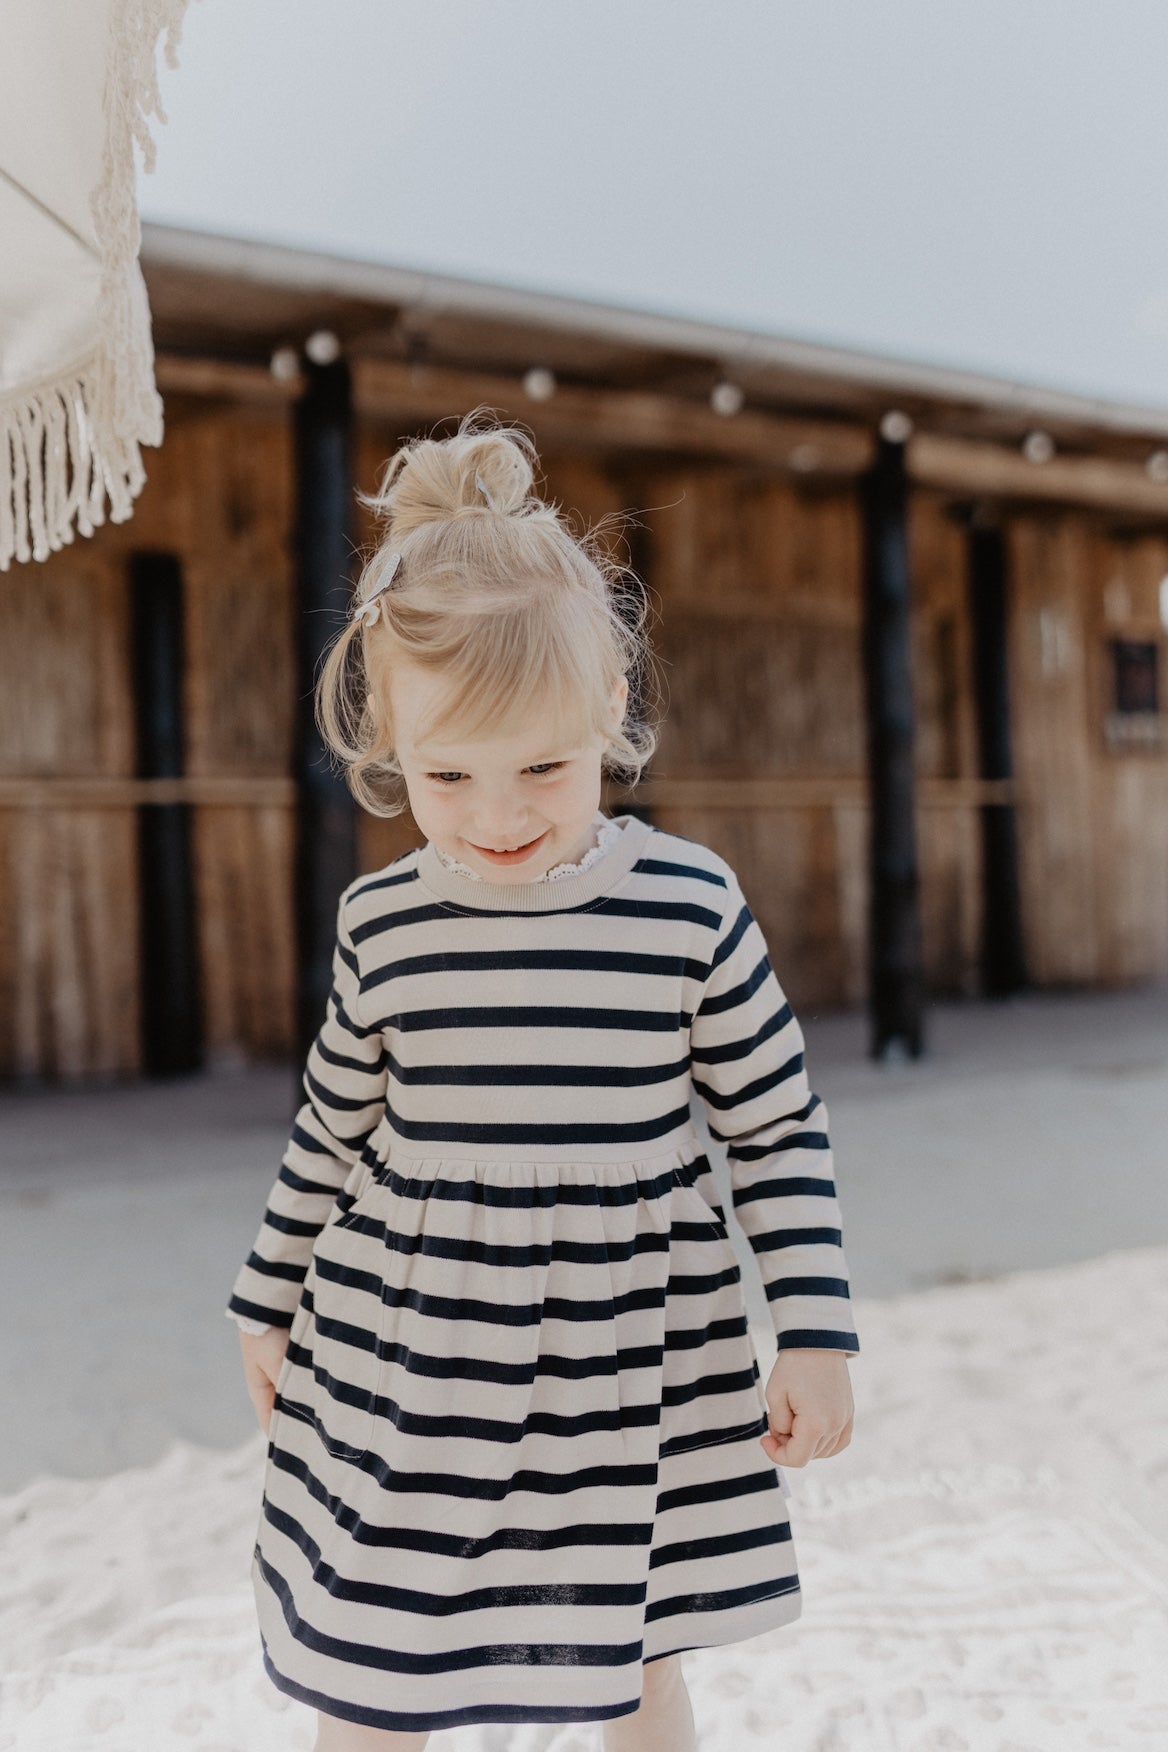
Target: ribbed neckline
x,y
483,895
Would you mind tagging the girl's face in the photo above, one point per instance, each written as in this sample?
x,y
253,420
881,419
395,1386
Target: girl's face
x,y
508,807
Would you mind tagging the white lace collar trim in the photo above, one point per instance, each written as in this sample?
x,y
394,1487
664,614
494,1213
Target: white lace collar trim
x,y
607,833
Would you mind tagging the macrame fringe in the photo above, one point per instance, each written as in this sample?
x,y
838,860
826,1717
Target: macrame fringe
x,y
70,444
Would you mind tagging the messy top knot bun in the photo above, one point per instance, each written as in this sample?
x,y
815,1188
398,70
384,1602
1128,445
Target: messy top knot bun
x,y
479,579
433,481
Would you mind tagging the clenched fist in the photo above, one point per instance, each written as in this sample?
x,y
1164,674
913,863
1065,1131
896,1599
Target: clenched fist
x,y
809,1402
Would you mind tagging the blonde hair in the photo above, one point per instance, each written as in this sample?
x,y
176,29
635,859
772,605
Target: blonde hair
x,y
494,592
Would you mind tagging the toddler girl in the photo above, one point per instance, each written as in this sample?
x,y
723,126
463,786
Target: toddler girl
x,y
519,1453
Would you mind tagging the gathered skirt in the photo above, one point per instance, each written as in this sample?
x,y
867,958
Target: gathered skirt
x,y
514,1452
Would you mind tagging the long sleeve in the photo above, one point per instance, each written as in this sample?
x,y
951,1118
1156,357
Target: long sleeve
x,y
345,1081
746,1054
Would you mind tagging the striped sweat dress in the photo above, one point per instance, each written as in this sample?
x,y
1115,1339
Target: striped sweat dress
x,y
514,1452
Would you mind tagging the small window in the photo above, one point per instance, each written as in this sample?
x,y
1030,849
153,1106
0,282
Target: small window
x,y
1134,719
1134,672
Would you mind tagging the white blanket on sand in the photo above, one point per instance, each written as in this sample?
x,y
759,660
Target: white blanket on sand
x,y
985,1568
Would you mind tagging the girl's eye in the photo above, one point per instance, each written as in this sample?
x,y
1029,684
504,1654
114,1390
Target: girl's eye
x,y
541,770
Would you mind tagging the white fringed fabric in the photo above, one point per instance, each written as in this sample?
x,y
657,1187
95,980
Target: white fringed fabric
x,y
77,394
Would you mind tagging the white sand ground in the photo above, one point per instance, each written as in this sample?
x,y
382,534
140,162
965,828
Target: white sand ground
x,y
985,1568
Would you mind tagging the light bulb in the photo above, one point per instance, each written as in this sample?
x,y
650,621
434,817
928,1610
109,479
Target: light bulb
x,y
284,364
323,347
726,398
896,427
539,383
804,458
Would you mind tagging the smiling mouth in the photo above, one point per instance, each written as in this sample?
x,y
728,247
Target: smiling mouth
x,y
509,851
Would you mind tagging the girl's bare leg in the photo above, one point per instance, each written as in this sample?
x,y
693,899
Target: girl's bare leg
x,y
664,1722
335,1735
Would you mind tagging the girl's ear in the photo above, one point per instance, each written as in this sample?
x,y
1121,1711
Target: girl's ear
x,y
620,694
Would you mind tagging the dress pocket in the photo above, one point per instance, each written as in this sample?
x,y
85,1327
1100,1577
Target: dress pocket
x,y
345,1325
300,1318
360,1184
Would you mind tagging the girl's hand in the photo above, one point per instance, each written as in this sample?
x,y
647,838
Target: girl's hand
x,y
263,1353
809,1403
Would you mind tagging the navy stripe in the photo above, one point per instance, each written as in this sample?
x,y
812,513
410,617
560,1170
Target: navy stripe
x,y
807,1286
818,1338
289,1225
339,1104
717,1003
537,1016
729,943
681,872
430,1720
538,1076
342,1062
720,1544
476,1308
721,1101
721,1600
739,1049
511,1253
394,1596
392,1535
678,911
547,960
541,1132
289,1270
793,1186
772,1238
447,1660
254,1311
522,1195
800,1140
288,1176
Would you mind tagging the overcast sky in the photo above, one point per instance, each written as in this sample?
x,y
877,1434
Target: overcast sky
x,y
978,183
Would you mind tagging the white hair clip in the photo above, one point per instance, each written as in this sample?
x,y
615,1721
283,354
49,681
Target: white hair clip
x,y
369,610
484,492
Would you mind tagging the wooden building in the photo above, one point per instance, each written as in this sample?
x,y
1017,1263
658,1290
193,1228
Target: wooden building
x,y
1036,544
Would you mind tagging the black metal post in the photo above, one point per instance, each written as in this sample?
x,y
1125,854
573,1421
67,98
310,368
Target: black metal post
x,y
896,972
326,840
172,1033
1003,954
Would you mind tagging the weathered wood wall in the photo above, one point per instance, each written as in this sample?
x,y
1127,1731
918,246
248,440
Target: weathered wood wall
x,y
217,495
762,752
68,878
756,584
1093,820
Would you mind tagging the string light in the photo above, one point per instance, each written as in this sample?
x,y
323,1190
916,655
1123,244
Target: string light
x,y
804,458
726,398
896,427
1038,447
284,364
323,347
1157,465
539,383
